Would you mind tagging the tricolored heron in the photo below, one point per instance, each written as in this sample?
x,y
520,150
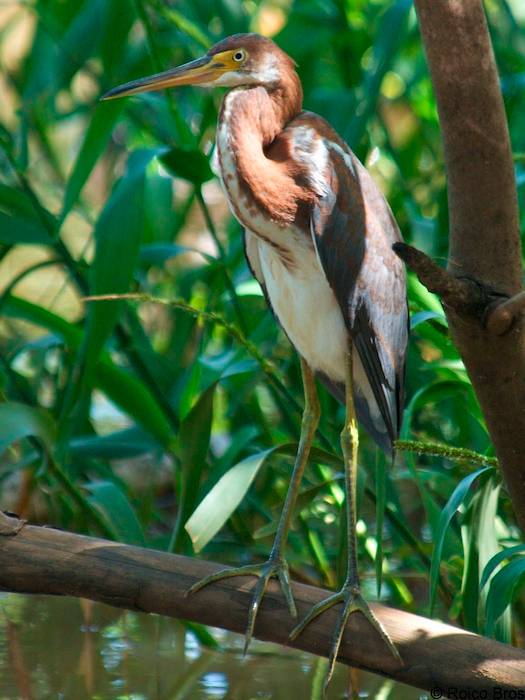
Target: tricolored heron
x,y
318,238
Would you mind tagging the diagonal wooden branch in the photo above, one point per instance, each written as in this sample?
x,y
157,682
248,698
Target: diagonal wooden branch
x,y
43,560
467,297
485,243
462,295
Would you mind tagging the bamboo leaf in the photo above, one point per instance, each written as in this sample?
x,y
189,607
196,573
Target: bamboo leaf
x,y
95,139
454,502
194,440
189,164
502,591
113,503
125,390
121,444
470,581
423,316
498,559
488,546
380,483
15,230
17,421
390,33
117,234
218,505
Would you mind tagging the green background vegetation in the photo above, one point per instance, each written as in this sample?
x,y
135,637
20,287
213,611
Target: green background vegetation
x,y
119,418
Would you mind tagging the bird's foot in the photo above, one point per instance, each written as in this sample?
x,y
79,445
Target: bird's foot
x,y
275,567
352,600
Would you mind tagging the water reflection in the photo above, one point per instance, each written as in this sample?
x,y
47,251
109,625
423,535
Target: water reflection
x,y
62,648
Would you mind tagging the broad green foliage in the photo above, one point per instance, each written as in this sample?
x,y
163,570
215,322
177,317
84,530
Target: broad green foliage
x,y
177,412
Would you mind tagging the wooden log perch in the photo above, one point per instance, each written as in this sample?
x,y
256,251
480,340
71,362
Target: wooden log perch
x,y
435,655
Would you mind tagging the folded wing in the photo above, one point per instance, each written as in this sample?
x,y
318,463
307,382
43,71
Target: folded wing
x,y
353,230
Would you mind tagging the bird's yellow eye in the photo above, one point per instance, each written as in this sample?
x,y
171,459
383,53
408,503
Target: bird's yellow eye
x,y
239,56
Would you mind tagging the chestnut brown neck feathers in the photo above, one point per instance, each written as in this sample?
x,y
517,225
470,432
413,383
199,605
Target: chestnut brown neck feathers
x,y
253,122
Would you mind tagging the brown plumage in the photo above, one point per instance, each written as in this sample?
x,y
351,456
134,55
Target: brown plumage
x,y
318,238
273,176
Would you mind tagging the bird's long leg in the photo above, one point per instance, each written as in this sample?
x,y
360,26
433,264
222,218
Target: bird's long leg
x,y
276,566
350,594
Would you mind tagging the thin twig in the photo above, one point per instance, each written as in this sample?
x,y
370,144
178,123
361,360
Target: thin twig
x,y
208,316
436,449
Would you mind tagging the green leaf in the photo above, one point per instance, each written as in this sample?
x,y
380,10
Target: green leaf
x,y
487,538
428,395
380,483
470,579
113,503
204,636
192,387
425,299
389,35
189,164
189,28
454,502
160,253
134,397
304,500
124,389
78,41
17,421
118,20
96,137
422,316
15,307
431,394
488,546
122,444
117,234
497,559
20,205
194,441
15,230
218,505
502,590
159,218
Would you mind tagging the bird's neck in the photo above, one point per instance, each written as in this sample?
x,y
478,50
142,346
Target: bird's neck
x,y
252,120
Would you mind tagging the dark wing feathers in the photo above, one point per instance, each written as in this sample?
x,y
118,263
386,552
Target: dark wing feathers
x,y
353,230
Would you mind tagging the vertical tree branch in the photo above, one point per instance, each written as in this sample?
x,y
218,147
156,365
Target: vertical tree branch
x,y
483,210
484,230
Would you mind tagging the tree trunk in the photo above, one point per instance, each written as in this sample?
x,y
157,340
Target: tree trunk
x,y
485,256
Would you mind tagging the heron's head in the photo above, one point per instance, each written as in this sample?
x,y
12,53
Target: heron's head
x,y
238,60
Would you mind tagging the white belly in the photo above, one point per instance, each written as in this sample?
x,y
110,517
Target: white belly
x,y
307,309
310,315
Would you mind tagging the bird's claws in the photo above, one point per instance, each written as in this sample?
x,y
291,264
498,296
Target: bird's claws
x,y
273,568
353,601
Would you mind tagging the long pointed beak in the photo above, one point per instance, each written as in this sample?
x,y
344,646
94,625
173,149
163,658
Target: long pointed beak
x,y
202,70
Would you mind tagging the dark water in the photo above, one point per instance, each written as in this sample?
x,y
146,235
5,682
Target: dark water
x,y
67,649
